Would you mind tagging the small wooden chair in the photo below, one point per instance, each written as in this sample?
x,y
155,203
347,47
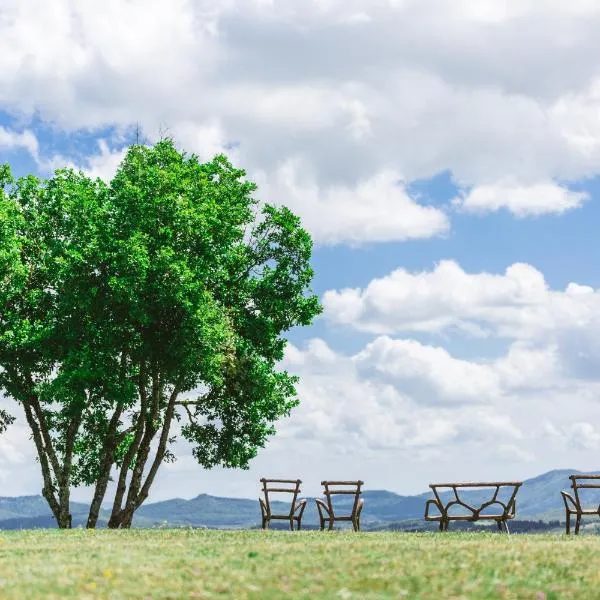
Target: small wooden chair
x,y
296,507
573,505
326,511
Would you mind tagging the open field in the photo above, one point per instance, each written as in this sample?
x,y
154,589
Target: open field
x,y
254,564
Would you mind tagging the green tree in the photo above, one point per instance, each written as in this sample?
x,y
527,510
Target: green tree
x,y
161,297
48,239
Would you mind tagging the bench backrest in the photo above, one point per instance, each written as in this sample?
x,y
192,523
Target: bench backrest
x,y
277,486
342,488
508,507
584,482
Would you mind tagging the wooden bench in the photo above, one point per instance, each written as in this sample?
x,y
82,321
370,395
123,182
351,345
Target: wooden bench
x,y
296,506
505,510
574,505
326,510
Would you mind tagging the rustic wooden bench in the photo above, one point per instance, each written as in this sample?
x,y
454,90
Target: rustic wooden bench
x,y
296,506
504,512
574,505
326,510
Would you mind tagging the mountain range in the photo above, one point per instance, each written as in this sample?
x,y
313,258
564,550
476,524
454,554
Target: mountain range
x,y
538,499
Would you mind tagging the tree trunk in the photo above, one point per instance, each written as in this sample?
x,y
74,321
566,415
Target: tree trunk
x,y
122,517
56,486
108,450
56,477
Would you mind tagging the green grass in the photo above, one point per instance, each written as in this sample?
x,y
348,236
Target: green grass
x,y
254,564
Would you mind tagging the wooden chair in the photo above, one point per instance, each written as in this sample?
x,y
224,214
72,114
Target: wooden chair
x,y
573,505
326,510
296,506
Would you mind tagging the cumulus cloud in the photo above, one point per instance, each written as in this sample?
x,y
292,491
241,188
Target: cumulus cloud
x,y
430,373
401,400
530,367
105,164
584,435
514,453
361,91
376,209
579,435
516,304
522,201
26,139
397,394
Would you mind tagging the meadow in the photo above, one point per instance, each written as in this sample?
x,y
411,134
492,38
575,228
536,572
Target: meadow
x,y
176,564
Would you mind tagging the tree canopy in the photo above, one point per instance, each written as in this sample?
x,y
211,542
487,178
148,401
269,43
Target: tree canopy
x,y
127,307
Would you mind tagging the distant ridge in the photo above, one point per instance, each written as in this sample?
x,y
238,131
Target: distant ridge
x,y
538,498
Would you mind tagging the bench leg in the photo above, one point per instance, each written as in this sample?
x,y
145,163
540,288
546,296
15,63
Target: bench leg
x,y
568,521
577,524
506,527
499,523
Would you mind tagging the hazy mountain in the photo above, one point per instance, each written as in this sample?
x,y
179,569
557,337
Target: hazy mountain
x,y
538,498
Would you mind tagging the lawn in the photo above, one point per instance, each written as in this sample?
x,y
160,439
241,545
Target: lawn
x,y
254,564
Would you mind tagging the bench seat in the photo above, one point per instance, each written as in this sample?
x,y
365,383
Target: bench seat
x,y
503,511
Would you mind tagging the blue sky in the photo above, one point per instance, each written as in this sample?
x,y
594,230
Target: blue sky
x,y
445,157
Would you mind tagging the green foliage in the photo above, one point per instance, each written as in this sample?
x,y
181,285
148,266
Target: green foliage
x,y
118,298
203,298
53,343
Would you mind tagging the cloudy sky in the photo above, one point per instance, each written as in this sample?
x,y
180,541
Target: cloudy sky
x,y
444,155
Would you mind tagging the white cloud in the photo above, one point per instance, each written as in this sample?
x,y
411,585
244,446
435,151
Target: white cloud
x,y
430,373
514,453
204,139
355,90
584,435
25,139
522,201
11,451
517,304
579,435
525,366
105,164
394,394
377,209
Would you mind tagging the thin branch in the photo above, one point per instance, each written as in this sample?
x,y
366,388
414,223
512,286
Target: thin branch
x,y
190,416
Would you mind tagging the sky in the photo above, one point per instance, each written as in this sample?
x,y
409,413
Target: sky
x,y
444,156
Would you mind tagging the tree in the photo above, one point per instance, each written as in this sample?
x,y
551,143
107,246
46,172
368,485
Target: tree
x,y
48,234
161,297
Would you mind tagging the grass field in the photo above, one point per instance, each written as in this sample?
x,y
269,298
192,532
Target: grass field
x,y
253,564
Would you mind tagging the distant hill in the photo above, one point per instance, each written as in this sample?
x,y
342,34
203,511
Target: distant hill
x,y
538,498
